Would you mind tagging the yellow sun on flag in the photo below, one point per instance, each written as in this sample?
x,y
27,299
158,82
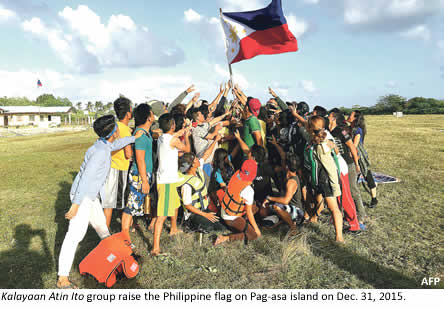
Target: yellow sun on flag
x,y
233,34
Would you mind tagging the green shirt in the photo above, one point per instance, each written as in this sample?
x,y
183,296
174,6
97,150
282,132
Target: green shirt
x,y
251,125
145,142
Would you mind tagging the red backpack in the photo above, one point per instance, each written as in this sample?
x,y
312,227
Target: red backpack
x,y
111,257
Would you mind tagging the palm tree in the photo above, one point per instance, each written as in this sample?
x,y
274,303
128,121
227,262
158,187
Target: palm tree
x,y
98,106
89,107
79,106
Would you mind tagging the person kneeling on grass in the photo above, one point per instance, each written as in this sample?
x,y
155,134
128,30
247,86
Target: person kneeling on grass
x,y
238,207
193,192
88,186
289,207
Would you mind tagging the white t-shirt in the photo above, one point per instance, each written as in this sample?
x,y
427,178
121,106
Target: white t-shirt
x,y
168,160
248,195
342,164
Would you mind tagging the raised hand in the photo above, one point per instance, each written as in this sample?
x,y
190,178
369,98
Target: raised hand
x,y
196,96
236,134
272,92
190,89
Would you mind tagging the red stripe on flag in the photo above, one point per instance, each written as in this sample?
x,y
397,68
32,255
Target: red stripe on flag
x,y
276,40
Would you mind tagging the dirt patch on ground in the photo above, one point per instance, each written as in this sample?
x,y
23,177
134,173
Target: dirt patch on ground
x,y
29,131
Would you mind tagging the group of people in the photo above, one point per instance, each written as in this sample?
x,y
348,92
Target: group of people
x,y
239,166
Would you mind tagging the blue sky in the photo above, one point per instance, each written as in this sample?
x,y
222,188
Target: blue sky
x,y
351,51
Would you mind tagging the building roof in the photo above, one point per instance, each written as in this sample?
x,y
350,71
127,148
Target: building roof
x,y
35,109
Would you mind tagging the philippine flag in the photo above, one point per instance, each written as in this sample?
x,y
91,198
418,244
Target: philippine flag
x,y
39,83
260,32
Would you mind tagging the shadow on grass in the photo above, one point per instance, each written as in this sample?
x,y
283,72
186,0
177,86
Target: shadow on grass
x,y
21,267
89,242
61,206
380,277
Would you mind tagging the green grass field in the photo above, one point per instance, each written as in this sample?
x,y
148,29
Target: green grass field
x,y
403,244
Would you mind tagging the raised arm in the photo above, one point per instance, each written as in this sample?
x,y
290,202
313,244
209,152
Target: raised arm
x,y
213,104
240,95
218,119
296,115
210,149
242,144
192,101
176,143
282,105
180,98
280,150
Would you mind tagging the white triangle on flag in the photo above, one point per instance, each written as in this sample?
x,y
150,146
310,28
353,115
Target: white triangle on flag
x,y
234,33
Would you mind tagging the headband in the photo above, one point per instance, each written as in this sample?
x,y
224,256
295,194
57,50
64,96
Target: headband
x,y
103,139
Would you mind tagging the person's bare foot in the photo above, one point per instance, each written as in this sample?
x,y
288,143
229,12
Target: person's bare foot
x,y
313,220
340,240
175,232
220,239
151,227
64,283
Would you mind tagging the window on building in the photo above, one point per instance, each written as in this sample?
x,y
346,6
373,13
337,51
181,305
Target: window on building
x,y
49,117
31,118
42,118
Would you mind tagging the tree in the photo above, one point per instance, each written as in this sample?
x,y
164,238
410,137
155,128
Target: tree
x,y
46,100
390,103
79,106
89,106
98,106
109,106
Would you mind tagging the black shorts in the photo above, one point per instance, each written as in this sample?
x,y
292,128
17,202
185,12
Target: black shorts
x,y
324,186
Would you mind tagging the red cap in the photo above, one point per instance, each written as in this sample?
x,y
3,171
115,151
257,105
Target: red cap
x,y
248,170
255,106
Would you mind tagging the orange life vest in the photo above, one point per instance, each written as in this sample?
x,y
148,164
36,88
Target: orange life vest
x,y
112,256
231,202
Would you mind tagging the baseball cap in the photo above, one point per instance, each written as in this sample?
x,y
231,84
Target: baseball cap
x,y
254,105
248,170
158,107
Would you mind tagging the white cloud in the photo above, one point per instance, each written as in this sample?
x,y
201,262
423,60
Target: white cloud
x,y
308,86
80,87
210,32
389,14
440,45
238,78
242,5
297,25
421,32
192,16
311,1
6,14
391,84
85,44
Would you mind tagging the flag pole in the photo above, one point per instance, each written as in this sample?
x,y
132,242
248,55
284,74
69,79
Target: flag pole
x,y
226,50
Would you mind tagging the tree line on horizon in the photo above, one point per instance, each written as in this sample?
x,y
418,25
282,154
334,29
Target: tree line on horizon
x,y
392,103
387,104
48,100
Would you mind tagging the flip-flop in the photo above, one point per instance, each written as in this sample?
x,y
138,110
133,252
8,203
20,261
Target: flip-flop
x,y
70,286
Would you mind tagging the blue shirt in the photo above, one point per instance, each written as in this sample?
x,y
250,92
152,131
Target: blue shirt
x,y
145,142
94,170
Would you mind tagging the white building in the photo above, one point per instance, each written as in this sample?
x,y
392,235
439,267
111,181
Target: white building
x,y
43,117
